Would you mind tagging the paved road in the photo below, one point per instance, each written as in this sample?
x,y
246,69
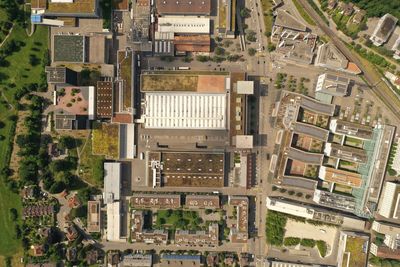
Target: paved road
x,y
389,98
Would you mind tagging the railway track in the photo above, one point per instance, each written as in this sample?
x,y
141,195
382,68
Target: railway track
x,y
388,97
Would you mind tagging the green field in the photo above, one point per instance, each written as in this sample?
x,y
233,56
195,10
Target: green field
x,y
19,72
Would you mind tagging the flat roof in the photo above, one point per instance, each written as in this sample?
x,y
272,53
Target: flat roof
x,y
317,106
93,216
287,207
75,100
185,7
242,206
385,26
56,74
351,129
346,152
193,43
201,82
193,169
114,221
245,87
202,201
69,48
311,130
389,204
185,111
353,249
112,181
104,103
286,20
164,201
332,84
186,24
340,176
39,4
300,182
307,157
97,49
76,7
329,56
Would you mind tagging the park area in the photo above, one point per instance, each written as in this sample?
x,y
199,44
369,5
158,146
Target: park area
x,y
20,67
296,233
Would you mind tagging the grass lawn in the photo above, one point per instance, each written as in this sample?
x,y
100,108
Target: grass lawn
x,y
304,13
267,12
91,166
354,142
354,246
105,140
178,219
19,72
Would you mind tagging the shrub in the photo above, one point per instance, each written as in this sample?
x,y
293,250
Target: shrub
x,y
322,247
307,242
291,192
275,228
291,241
251,51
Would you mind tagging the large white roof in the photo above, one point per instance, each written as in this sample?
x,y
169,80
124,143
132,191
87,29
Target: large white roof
x,y
289,208
112,181
186,111
186,24
113,221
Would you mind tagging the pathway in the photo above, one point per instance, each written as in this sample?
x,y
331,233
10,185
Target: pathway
x,y
5,39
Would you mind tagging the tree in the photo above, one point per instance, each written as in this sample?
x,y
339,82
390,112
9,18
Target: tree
x,y
67,141
251,51
13,214
251,36
202,58
219,51
245,12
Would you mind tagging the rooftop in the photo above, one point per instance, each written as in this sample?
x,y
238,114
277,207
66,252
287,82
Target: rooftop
x,y
286,20
351,129
164,201
353,249
193,169
340,176
202,202
75,100
329,56
184,24
332,85
201,82
185,7
112,181
104,99
185,111
78,7
69,48
93,216
346,152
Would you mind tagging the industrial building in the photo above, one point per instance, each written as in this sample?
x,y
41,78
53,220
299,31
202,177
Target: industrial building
x,y
184,25
185,111
183,7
